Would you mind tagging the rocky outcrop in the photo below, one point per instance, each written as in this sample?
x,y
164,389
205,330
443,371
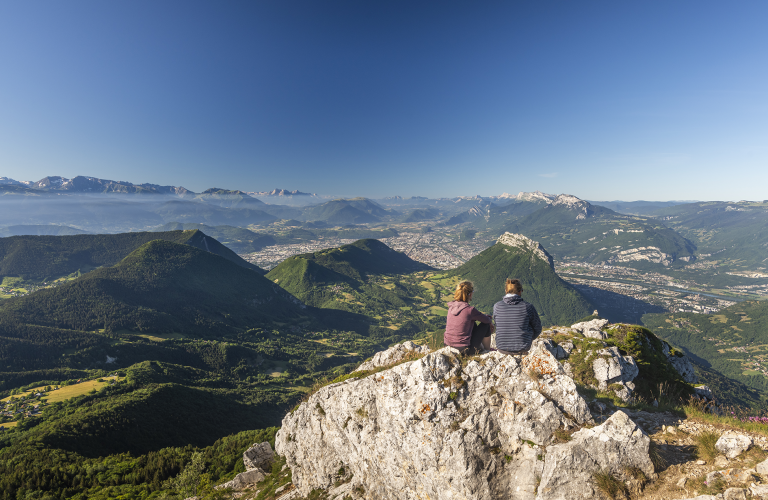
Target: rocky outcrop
x,y
258,462
611,368
613,447
258,456
592,329
682,364
732,444
445,427
393,355
525,243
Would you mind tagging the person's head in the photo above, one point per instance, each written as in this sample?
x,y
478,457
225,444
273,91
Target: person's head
x,y
463,291
513,286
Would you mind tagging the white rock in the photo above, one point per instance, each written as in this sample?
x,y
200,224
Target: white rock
x,y
732,444
527,244
759,491
612,446
258,456
762,468
416,431
244,480
592,329
735,494
613,368
704,392
682,364
556,350
393,355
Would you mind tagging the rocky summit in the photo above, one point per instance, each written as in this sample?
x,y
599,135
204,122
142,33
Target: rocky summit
x,y
446,427
410,423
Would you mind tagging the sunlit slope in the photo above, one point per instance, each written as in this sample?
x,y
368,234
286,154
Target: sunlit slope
x,y
557,302
47,257
735,234
576,230
734,341
160,287
337,277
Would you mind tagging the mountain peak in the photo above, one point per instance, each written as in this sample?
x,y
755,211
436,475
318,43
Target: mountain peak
x,y
573,203
535,196
526,244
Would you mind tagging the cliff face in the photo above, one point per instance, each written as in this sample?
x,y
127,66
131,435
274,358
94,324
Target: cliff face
x,y
447,427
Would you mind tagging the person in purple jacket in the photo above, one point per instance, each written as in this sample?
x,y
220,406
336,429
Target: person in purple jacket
x,y
461,331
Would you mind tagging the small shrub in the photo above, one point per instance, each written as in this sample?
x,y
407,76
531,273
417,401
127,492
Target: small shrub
x,y
453,395
455,426
362,412
705,445
319,409
608,484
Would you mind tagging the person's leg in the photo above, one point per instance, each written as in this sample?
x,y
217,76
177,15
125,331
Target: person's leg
x,y
481,336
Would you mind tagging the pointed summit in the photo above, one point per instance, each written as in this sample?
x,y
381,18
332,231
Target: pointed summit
x,y
526,244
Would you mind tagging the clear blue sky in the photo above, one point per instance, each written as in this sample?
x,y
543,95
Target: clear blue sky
x,y
648,100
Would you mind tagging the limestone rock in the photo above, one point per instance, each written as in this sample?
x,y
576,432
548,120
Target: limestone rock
x,y
721,461
526,244
759,491
735,494
703,392
555,349
244,480
682,364
615,444
393,355
613,368
732,444
592,329
258,456
762,468
431,428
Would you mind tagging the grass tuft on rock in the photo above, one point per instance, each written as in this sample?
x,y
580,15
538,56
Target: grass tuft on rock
x,y
705,445
610,485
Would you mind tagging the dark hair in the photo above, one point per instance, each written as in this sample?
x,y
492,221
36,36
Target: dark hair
x,y
513,286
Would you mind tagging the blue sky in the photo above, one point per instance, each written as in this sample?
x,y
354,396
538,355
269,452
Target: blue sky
x,y
602,99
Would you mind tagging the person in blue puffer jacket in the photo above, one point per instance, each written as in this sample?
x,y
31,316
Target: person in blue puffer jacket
x,y
517,322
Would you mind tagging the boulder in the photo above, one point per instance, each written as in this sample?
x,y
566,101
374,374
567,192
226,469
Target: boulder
x,y
555,349
616,444
762,468
592,329
258,456
704,392
244,480
610,367
432,428
682,364
393,355
732,444
759,491
735,494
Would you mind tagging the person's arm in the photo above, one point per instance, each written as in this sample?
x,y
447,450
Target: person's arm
x,y
534,321
476,315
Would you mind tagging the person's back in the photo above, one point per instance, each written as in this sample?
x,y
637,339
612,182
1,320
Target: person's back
x,y
517,322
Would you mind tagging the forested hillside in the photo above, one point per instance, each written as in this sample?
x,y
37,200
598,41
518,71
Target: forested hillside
x,y
734,341
39,258
557,302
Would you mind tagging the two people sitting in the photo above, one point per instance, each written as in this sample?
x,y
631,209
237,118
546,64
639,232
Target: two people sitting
x,y
517,323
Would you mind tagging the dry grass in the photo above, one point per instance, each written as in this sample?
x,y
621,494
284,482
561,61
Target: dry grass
x,y
67,391
608,484
705,445
657,459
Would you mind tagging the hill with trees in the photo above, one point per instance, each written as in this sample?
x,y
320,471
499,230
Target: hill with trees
x,y
556,301
160,287
39,258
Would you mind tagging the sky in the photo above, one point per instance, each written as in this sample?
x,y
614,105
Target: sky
x,y
606,100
